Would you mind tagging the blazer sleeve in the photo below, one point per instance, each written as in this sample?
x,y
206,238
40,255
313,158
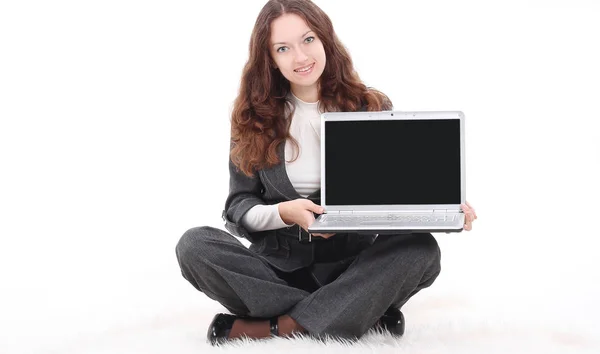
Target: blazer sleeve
x,y
244,193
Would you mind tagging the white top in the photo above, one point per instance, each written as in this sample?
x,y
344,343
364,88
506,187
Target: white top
x,y
304,173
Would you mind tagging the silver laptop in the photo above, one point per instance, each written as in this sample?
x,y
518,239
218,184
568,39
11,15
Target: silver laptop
x,y
392,172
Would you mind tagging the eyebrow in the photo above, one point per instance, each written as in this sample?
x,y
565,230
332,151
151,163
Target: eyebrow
x,y
274,44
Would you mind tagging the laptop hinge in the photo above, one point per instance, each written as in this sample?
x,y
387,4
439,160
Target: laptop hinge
x,y
346,212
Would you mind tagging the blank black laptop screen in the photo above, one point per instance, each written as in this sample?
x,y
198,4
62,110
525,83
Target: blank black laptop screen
x,y
392,162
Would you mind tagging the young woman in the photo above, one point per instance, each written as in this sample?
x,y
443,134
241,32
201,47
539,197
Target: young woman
x,y
333,284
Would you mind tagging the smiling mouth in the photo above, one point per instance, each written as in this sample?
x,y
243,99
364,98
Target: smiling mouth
x,y
305,69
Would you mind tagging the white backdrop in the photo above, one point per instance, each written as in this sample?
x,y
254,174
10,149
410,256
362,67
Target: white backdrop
x,y
114,138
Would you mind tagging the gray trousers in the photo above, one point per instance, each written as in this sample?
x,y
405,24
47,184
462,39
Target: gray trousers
x,y
386,274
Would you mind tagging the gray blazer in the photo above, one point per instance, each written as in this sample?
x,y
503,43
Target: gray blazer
x,y
281,247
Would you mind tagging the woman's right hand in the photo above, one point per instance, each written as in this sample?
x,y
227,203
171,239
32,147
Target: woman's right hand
x,y
300,211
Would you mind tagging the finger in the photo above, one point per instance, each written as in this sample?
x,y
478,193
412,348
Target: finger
x,y
469,213
465,210
323,235
309,219
472,209
471,216
316,208
308,204
468,225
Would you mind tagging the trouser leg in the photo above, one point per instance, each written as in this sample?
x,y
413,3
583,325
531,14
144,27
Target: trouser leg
x,y
386,274
220,266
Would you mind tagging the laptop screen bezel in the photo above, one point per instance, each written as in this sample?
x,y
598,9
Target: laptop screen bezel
x,y
392,115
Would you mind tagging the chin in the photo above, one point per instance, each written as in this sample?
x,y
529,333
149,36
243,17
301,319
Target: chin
x,y
305,83
313,80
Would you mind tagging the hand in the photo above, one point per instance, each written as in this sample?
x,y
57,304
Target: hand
x,y
300,211
470,216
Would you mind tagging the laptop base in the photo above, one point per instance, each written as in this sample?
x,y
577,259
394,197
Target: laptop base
x,y
381,232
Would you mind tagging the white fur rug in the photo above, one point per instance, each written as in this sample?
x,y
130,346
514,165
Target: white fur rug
x,y
484,301
435,324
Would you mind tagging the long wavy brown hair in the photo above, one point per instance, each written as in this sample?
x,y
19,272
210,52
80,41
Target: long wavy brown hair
x,y
259,120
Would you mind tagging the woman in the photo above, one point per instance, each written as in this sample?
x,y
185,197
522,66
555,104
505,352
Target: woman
x,y
334,284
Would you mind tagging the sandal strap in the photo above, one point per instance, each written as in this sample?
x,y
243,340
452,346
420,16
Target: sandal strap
x,y
274,326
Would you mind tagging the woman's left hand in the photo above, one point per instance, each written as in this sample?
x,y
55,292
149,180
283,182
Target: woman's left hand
x,y
470,216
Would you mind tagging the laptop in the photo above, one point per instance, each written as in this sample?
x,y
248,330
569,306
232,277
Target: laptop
x,y
392,172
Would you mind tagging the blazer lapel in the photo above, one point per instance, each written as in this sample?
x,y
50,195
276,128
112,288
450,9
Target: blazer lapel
x,y
276,177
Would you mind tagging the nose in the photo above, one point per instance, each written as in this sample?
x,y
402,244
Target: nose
x,y
301,56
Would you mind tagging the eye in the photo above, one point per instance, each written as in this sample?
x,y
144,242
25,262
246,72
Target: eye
x,y
309,39
279,50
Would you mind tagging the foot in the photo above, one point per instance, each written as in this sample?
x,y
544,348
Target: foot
x,y
219,328
225,327
393,321
250,328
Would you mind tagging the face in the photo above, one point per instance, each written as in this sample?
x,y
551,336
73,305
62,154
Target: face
x,y
297,51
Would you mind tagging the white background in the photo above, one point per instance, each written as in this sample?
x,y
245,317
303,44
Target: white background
x,y
114,138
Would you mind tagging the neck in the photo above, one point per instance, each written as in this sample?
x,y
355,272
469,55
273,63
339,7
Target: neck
x,y
309,94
